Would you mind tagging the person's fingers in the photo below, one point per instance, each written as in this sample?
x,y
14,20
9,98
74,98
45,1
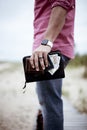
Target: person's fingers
x,y
41,61
31,60
45,59
36,62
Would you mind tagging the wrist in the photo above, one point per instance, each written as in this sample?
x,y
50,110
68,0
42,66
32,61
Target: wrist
x,y
47,42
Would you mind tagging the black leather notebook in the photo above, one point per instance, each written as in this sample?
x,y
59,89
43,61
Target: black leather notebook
x,y
54,70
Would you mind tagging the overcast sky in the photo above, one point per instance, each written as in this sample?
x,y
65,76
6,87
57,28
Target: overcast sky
x,y
16,28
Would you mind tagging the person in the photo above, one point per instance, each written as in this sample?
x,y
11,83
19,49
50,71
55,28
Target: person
x,y
53,30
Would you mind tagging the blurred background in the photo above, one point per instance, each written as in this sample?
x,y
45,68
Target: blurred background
x,y
16,39
16,29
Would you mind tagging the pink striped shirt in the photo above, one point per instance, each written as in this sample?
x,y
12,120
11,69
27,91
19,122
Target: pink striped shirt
x,y
65,40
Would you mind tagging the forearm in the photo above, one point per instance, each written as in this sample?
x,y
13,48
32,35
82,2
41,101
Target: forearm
x,y
55,25
56,22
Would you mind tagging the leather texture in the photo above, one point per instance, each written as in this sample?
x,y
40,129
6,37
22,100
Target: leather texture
x,y
31,75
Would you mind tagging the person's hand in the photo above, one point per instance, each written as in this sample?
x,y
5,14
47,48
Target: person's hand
x,y
40,56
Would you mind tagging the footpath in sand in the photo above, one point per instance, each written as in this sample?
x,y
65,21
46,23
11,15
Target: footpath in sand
x,y
18,111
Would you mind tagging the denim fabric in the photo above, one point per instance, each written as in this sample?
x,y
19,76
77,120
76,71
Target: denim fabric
x,y
49,95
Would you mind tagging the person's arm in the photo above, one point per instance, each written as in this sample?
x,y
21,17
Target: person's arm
x,y
56,22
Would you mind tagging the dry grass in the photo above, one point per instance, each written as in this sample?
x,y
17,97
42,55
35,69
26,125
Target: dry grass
x,y
75,88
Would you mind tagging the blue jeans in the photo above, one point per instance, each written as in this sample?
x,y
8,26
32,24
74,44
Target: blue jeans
x,y
49,95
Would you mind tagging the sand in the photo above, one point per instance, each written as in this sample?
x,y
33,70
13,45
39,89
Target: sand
x,y
18,110
75,87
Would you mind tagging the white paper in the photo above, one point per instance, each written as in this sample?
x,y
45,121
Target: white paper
x,y
56,61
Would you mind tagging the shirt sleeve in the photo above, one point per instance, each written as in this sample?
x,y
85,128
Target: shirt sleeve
x,y
66,4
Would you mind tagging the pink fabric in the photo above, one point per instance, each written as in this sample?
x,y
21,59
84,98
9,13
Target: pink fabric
x,y
65,40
